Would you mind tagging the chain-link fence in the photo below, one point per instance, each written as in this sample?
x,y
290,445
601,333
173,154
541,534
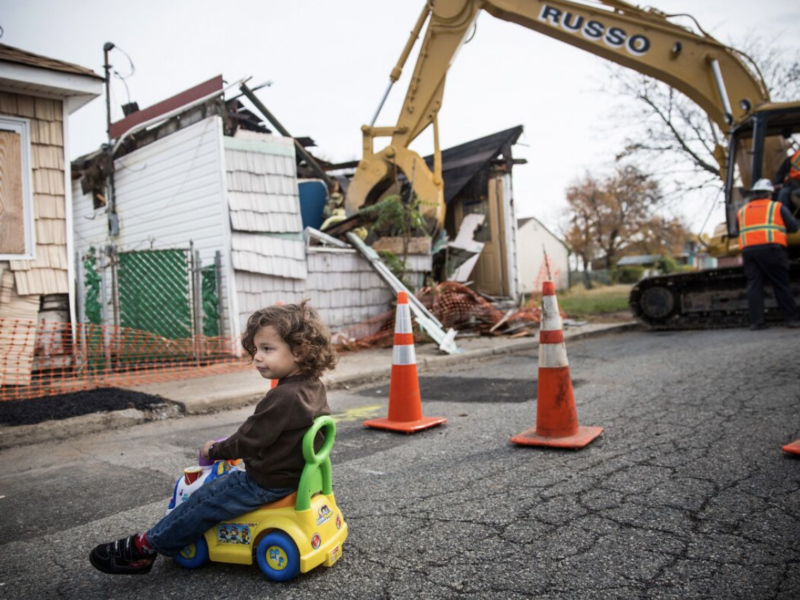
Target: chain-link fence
x,y
143,316
168,294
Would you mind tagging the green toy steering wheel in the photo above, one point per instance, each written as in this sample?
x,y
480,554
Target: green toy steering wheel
x,y
316,475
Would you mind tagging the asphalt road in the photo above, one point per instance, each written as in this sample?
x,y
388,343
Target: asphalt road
x,y
686,495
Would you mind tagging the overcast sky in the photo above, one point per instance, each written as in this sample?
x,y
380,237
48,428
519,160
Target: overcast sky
x,y
330,63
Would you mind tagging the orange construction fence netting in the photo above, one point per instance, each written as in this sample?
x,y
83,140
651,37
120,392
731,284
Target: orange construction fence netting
x,y
41,358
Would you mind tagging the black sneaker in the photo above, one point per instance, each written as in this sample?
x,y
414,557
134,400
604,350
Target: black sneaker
x,y
121,558
758,326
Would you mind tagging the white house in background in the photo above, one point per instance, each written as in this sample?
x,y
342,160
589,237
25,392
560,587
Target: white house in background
x,y
533,241
234,198
37,96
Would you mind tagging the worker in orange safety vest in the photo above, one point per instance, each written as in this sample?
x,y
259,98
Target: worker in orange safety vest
x,y
763,225
788,176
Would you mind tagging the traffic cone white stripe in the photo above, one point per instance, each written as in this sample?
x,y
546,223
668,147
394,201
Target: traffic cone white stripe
x,y
551,319
552,350
553,356
402,322
404,355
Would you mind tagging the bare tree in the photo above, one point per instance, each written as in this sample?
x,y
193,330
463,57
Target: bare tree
x,y
618,214
675,139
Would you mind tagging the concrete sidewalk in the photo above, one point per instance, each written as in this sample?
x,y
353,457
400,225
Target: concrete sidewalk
x,y
232,390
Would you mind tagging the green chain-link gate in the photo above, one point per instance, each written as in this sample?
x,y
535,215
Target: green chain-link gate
x,y
154,292
167,296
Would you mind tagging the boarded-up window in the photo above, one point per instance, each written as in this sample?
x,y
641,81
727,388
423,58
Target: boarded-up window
x,y
16,215
12,205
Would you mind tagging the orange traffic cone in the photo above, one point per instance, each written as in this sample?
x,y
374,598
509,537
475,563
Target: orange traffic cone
x,y
405,404
556,417
793,448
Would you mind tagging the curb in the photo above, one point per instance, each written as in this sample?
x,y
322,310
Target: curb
x,y
48,431
217,403
94,423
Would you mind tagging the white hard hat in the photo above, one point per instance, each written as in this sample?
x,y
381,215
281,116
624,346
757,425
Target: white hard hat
x,y
763,185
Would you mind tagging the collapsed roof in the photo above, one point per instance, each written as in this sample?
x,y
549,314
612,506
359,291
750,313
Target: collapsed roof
x,y
461,163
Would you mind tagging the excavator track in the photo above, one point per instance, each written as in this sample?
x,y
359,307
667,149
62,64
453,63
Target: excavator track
x,y
711,299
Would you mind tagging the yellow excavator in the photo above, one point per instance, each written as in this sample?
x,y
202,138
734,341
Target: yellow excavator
x,y
721,80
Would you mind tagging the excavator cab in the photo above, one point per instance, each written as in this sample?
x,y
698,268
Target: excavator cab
x,y
757,149
758,146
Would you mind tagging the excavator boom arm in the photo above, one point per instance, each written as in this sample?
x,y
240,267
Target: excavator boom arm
x,y
708,72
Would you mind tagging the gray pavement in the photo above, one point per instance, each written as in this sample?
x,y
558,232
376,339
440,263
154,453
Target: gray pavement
x,y
686,495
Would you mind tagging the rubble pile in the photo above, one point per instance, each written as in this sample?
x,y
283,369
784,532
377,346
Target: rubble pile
x,y
454,305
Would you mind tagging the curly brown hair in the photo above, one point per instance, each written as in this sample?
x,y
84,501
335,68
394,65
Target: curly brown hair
x,y
300,326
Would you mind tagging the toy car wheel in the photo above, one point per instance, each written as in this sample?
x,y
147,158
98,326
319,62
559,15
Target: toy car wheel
x,y
278,556
194,555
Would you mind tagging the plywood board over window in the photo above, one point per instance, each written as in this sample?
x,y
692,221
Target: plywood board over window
x,y
12,204
16,206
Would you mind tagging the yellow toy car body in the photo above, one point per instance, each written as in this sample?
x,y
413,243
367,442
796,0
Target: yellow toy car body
x,y
293,535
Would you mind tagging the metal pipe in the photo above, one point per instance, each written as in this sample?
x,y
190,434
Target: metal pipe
x,y
380,106
723,92
282,130
252,89
113,221
398,69
437,150
218,276
104,327
197,284
108,47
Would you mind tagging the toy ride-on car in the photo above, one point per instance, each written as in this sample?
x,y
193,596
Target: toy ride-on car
x,y
287,537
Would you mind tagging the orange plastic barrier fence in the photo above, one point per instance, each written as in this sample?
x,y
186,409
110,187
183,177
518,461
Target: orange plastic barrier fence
x,y
39,358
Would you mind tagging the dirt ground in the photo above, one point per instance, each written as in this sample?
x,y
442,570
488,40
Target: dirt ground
x,y
64,406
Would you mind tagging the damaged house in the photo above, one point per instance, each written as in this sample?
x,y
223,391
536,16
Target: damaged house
x,y
37,96
203,224
480,212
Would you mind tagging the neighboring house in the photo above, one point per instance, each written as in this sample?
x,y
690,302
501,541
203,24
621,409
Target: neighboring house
x,y
37,95
534,240
195,183
640,260
695,254
477,180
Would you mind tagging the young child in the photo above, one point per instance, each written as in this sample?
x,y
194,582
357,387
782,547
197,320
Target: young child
x,y
288,343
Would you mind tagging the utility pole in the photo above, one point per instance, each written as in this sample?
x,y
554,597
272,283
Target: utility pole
x,y
111,209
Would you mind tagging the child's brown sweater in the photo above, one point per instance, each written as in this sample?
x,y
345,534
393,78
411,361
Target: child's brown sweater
x,y
271,441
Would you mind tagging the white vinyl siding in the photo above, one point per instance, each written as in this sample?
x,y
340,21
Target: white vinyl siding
x,y
239,196
168,194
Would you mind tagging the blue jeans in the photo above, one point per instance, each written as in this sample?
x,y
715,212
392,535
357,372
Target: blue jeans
x,y
218,500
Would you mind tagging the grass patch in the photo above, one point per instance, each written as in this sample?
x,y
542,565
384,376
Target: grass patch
x,y
580,302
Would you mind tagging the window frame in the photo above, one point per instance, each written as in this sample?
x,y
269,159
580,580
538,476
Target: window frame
x,y
22,126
